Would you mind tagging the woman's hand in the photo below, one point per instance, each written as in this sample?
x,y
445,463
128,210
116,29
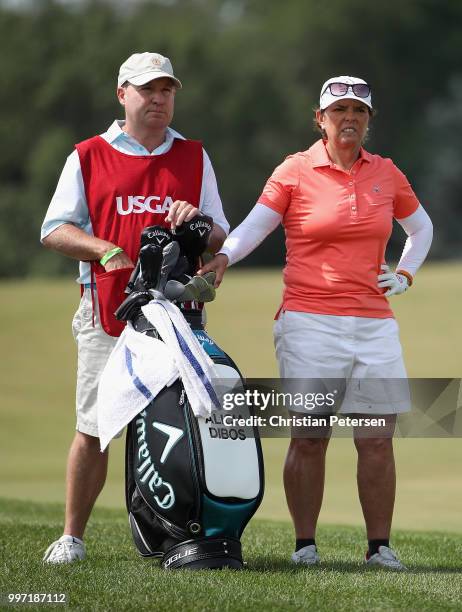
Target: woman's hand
x,y
394,283
218,265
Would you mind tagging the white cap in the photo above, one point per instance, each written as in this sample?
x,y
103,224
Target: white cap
x,y
140,68
326,98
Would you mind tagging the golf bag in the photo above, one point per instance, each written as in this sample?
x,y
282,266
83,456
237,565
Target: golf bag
x,y
192,483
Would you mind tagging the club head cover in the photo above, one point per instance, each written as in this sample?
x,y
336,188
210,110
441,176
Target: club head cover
x,y
133,278
170,255
206,291
199,289
188,293
132,305
181,272
173,290
151,259
156,234
206,257
193,236
210,277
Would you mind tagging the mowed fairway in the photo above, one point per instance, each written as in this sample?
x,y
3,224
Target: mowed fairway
x,y
37,382
37,420
117,579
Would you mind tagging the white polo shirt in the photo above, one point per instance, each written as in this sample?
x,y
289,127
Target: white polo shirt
x,y
69,203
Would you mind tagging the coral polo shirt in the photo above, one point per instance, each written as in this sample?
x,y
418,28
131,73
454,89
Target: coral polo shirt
x,y
337,225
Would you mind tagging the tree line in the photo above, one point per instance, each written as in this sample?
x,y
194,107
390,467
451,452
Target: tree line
x,y
251,71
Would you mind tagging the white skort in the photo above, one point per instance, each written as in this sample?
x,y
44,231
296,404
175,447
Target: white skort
x,y
357,358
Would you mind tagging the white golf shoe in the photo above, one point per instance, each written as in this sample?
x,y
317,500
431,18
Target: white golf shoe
x,y
386,557
307,555
65,550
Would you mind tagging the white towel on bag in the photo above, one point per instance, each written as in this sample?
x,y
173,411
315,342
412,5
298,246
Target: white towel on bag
x,y
196,369
140,366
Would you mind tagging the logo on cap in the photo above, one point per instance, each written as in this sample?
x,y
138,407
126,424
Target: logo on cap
x,y
156,61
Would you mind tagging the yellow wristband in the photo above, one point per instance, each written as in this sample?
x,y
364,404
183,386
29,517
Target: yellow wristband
x,y
107,256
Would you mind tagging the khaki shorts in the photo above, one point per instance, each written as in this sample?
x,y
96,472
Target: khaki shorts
x,y
358,359
93,349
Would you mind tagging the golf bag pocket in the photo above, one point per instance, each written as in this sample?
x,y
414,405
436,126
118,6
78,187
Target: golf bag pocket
x,y
110,287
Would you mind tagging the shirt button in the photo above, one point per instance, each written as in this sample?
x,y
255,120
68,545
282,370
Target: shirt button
x,y
352,197
353,208
351,183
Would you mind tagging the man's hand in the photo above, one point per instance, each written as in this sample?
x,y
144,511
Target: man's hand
x,y
121,260
218,264
396,283
181,211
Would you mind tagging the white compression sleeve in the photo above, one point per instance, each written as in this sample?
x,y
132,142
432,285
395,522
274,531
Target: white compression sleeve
x,y
260,222
419,230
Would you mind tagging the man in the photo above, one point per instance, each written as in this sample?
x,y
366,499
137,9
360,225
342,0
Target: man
x,y
138,173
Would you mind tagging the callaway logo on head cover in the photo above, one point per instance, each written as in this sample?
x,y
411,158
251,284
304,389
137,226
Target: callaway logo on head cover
x,y
159,235
201,226
138,204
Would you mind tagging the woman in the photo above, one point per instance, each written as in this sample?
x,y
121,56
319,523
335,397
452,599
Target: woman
x,y
337,202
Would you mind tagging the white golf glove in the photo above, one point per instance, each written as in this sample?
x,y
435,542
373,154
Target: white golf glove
x,y
396,283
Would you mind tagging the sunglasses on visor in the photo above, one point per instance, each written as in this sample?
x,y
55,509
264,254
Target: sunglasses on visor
x,y
361,90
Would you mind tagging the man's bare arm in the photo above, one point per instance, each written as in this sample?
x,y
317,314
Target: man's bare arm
x,y
73,242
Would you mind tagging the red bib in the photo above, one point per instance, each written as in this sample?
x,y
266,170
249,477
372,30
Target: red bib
x,y
126,193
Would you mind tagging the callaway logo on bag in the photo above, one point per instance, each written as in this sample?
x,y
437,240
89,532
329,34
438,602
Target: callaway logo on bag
x,y
146,469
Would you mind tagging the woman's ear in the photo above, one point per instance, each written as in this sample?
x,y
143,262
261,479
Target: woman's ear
x,y
320,118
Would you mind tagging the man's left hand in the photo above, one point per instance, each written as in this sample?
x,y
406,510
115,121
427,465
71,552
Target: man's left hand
x,y
396,283
181,211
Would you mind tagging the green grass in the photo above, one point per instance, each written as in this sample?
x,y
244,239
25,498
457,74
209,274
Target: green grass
x,y
37,421
37,380
117,579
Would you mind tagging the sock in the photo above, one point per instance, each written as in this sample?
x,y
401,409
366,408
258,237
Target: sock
x,y
78,540
374,546
304,542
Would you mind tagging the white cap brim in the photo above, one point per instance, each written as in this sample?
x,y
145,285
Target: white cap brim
x,y
142,79
327,99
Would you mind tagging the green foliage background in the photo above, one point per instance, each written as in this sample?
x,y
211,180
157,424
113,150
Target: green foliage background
x,y
252,71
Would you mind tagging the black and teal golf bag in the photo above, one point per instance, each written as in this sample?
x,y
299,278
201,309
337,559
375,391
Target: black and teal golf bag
x,y
192,483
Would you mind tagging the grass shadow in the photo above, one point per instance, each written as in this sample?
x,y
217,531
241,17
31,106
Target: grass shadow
x,y
263,564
